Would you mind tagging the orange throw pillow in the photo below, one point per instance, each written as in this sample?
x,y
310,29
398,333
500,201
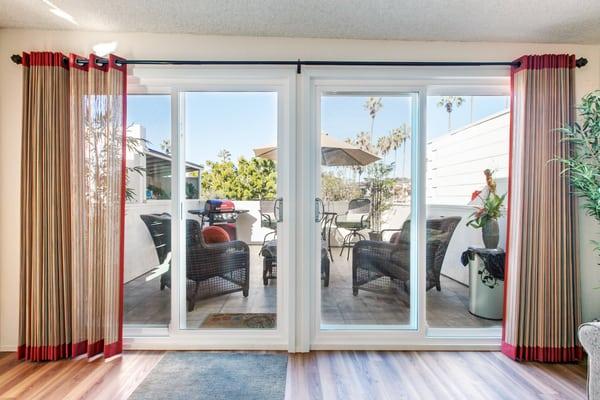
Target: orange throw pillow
x,y
215,234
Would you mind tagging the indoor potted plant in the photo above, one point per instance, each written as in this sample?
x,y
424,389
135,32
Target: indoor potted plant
x,y
583,166
583,170
485,217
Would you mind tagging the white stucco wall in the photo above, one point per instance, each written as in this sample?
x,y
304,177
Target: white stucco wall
x,y
164,46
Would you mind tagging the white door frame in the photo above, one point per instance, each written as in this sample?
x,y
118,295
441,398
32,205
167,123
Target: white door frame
x,y
178,81
314,82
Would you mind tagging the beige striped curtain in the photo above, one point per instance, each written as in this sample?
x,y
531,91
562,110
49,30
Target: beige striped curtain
x,y
72,212
542,305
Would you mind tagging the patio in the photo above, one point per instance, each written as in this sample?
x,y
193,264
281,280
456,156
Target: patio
x,y
146,304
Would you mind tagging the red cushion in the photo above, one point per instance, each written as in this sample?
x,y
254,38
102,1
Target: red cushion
x,y
215,234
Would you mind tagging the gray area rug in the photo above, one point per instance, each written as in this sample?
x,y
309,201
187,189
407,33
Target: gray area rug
x,y
212,375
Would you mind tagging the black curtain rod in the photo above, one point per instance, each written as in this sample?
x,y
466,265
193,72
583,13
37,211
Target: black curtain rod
x,y
17,59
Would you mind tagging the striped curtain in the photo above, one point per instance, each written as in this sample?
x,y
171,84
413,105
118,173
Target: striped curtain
x,y
542,305
72,211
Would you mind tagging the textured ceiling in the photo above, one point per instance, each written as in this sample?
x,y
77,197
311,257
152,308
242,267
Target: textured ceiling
x,y
551,21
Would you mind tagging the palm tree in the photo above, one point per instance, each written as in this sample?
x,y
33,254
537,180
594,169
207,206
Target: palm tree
x,y
384,145
373,105
398,138
363,142
448,102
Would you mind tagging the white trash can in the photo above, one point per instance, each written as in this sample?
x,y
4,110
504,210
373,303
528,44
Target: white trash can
x,y
486,291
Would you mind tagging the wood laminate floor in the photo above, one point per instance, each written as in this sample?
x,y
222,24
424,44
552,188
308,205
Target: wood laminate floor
x,y
318,375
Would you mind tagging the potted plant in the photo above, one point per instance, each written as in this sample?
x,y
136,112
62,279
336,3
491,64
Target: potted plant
x,y
583,166
583,170
486,216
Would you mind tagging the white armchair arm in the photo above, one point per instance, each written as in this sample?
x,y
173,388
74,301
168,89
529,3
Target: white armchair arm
x,y
589,336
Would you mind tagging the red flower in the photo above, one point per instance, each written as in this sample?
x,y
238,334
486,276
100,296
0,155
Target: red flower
x,y
475,194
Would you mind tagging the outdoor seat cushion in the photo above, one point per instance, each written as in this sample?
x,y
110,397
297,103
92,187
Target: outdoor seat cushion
x,y
215,234
398,238
352,221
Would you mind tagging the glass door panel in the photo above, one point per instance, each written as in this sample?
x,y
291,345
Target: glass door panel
x,y
147,272
466,136
231,210
365,226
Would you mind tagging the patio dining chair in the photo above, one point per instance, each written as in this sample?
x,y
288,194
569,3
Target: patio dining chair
x,y
378,265
354,220
267,219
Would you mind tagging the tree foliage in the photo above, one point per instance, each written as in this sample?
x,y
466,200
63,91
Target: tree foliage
x,y
336,188
380,189
249,179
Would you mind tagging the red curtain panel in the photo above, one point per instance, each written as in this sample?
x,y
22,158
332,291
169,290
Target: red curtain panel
x,y
73,204
542,306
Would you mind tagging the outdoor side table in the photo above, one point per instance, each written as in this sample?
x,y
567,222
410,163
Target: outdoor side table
x,y
269,253
486,281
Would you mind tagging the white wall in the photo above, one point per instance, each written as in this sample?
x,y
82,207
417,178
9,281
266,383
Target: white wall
x,y
140,253
137,45
456,160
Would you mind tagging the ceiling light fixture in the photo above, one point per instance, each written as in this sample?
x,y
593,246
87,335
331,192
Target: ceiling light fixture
x,y
60,13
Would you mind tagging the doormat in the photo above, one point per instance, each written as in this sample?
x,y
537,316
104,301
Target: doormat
x,y
240,321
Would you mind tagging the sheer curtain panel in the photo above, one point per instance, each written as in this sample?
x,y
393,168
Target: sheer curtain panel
x,y
72,206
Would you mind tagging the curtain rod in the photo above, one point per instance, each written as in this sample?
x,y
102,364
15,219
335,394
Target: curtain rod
x,y
17,59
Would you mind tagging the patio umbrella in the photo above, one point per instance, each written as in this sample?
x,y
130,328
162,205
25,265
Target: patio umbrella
x,y
334,153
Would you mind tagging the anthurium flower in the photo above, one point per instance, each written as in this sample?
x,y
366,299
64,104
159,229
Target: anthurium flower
x,y
475,194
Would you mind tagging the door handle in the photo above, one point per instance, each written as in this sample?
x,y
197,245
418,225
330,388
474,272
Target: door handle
x,y
319,209
278,209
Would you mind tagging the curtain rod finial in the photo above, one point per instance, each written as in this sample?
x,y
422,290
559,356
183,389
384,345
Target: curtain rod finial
x,y
581,62
17,59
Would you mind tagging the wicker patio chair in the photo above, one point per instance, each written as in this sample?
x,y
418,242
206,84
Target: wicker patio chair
x,y
380,265
159,226
211,269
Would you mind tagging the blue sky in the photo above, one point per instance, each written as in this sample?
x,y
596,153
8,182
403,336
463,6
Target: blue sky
x,y
240,122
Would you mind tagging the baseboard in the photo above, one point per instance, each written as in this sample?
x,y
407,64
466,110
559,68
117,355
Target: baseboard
x,y
8,348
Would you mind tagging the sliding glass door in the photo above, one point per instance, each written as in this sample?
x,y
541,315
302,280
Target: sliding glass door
x,y
270,210
208,234
394,162
365,219
147,290
468,295
232,210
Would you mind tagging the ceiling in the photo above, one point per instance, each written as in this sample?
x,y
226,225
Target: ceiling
x,y
549,21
